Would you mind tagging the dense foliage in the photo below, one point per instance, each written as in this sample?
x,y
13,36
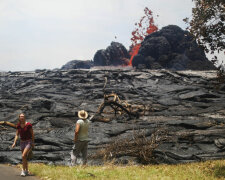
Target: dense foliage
x,y
207,25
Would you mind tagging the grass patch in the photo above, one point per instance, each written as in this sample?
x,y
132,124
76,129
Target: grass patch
x,y
199,171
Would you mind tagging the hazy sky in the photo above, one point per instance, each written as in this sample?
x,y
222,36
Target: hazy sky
x,y
38,34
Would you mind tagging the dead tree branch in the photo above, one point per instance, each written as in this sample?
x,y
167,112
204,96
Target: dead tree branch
x,y
116,106
120,106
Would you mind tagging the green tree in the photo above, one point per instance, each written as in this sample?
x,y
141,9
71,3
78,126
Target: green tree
x,y
207,25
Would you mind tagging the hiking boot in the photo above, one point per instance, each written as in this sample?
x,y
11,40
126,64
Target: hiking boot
x,y
23,173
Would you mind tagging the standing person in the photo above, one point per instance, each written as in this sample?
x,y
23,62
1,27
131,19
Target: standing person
x,y
25,130
81,137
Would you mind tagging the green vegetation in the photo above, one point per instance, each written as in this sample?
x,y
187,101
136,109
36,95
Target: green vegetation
x,y
203,170
207,25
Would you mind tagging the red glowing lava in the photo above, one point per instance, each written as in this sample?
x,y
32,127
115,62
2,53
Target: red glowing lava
x,y
145,27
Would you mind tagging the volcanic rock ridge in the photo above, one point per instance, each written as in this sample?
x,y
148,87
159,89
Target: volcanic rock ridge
x,y
184,103
169,48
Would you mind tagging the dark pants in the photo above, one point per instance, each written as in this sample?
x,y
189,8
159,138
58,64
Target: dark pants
x,y
79,147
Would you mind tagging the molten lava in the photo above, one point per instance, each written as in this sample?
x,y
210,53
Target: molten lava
x,y
133,52
145,27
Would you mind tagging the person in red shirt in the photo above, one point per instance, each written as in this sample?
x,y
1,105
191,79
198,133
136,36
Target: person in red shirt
x,y
25,130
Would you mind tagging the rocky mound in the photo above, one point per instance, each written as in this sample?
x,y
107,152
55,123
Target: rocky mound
x,y
171,48
78,64
114,55
185,104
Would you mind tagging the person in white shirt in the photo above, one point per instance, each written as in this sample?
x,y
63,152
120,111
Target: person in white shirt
x,y
81,137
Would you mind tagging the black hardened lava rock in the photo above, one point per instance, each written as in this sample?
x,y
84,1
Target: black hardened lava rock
x,y
172,48
184,103
114,55
78,64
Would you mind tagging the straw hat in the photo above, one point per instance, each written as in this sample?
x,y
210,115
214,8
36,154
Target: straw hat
x,y
82,114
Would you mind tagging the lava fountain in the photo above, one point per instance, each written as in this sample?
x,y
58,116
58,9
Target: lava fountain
x,y
145,27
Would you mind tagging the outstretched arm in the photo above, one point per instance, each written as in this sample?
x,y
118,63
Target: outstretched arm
x,y
7,124
92,118
98,118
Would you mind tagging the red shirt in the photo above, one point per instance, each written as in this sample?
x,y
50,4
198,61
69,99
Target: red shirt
x,y
25,133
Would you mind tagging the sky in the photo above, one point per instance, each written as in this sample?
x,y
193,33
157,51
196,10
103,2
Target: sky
x,y
46,34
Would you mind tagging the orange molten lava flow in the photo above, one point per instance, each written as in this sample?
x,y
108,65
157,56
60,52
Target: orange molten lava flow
x,y
134,51
145,27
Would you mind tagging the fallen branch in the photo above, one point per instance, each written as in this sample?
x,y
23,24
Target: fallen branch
x,y
116,106
120,106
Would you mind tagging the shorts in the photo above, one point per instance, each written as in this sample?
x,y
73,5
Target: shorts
x,y
25,144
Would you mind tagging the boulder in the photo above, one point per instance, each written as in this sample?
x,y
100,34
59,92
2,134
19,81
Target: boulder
x,y
114,55
77,64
